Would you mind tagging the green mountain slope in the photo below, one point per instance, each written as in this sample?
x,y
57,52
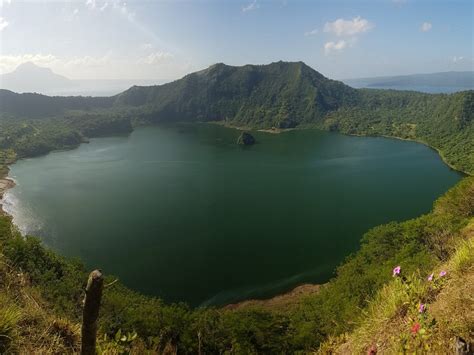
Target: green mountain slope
x,y
282,95
31,105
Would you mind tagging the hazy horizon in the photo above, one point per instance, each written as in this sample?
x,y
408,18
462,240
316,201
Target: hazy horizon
x,y
164,40
193,71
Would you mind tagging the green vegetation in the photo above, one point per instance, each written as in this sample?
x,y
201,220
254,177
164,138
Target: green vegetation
x,y
445,122
29,271
40,302
245,138
419,313
280,95
27,138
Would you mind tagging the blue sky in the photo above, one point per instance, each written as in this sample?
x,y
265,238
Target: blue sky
x,y
166,39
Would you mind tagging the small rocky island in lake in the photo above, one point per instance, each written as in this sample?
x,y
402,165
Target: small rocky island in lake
x,y
246,139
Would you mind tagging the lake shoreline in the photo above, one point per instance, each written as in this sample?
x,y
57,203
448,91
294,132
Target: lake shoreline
x,y
281,301
6,184
440,153
285,298
272,130
275,130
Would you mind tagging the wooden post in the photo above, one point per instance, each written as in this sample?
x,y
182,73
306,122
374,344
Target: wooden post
x,y
95,284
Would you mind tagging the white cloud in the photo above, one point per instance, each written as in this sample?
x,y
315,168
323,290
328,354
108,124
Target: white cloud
x,y
349,29
155,58
334,46
91,4
250,7
95,4
426,26
104,6
146,46
117,5
157,65
71,16
123,8
342,27
86,61
10,62
457,59
312,32
3,24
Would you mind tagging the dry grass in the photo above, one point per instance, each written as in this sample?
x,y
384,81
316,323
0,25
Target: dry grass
x,y
283,303
454,307
385,318
27,325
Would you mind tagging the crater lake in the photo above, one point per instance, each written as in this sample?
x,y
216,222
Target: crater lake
x,y
184,213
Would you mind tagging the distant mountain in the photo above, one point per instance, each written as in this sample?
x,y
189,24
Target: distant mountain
x,y
28,77
100,87
434,83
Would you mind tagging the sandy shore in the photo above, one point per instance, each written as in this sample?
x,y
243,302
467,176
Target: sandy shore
x,y
274,130
5,184
279,302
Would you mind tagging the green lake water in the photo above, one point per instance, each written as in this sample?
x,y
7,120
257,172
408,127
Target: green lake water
x,y
183,213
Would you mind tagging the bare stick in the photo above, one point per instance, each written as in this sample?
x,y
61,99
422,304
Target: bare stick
x,y
90,313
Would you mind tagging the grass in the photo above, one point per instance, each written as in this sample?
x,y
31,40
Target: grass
x,y
393,323
463,258
10,317
27,324
383,318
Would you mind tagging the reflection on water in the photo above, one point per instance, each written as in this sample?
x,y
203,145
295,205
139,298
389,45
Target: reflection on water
x,y
194,217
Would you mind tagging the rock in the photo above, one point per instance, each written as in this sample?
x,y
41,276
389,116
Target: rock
x,y
462,347
246,139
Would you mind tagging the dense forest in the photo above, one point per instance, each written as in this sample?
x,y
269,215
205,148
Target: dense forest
x,y
281,95
40,302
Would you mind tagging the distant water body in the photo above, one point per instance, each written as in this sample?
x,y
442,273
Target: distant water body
x,y
183,213
426,89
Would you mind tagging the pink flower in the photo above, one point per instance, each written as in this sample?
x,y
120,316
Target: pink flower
x,y
422,308
430,278
442,273
372,350
396,271
415,328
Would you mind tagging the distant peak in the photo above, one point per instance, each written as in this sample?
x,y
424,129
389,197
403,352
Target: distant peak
x,y
30,66
27,65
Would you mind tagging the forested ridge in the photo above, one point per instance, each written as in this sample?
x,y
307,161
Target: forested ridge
x,y
281,95
41,292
